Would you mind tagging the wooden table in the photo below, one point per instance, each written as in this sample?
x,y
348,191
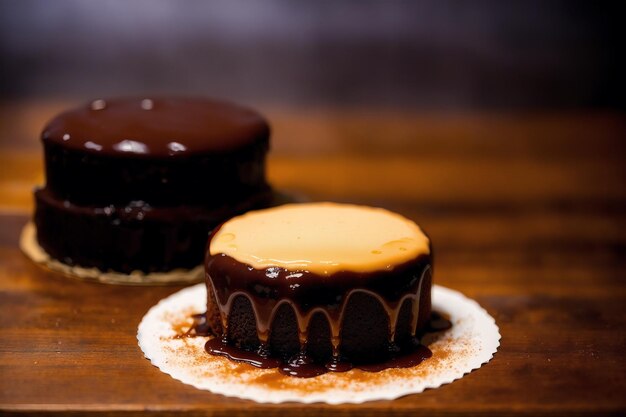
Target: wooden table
x,y
527,213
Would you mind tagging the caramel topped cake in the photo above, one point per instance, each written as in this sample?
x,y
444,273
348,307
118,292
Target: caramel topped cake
x,y
137,184
315,287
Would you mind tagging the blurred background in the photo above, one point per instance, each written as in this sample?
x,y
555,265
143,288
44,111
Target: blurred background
x,y
398,53
423,89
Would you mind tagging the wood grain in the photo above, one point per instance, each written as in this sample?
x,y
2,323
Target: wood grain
x,y
527,214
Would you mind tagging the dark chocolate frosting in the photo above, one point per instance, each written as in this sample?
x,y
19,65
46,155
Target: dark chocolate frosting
x,y
156,127
138,183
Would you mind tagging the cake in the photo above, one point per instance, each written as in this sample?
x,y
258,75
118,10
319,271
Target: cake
x,y
137,184
316,287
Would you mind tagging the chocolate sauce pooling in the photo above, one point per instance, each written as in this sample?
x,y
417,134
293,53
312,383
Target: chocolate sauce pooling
x,y
302,366
156,127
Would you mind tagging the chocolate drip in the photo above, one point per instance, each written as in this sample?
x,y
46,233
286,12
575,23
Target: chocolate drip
x,y
259,359
265,313
308,294
303,366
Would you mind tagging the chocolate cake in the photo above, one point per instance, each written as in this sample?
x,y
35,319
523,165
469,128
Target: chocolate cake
x,y
137,184
315,287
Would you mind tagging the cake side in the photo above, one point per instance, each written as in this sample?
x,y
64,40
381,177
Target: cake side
x,y
135,236
88,178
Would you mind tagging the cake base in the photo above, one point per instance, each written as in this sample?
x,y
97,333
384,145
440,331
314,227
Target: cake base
x,y
31,248
471,342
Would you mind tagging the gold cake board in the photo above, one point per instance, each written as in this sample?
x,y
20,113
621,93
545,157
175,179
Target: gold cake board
x,y
32,249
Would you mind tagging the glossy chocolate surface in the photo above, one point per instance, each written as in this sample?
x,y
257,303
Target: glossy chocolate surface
x,y
137,184
156,127
218,156
208,180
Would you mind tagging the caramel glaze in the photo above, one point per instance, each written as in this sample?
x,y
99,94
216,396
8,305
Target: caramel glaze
x,y
337,304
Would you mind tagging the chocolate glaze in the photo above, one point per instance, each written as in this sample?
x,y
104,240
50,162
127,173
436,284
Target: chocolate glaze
x,y
156,127
221,144
317,323
137,184
259,359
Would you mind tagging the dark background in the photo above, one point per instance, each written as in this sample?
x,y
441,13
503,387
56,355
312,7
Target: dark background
x,y
428,55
